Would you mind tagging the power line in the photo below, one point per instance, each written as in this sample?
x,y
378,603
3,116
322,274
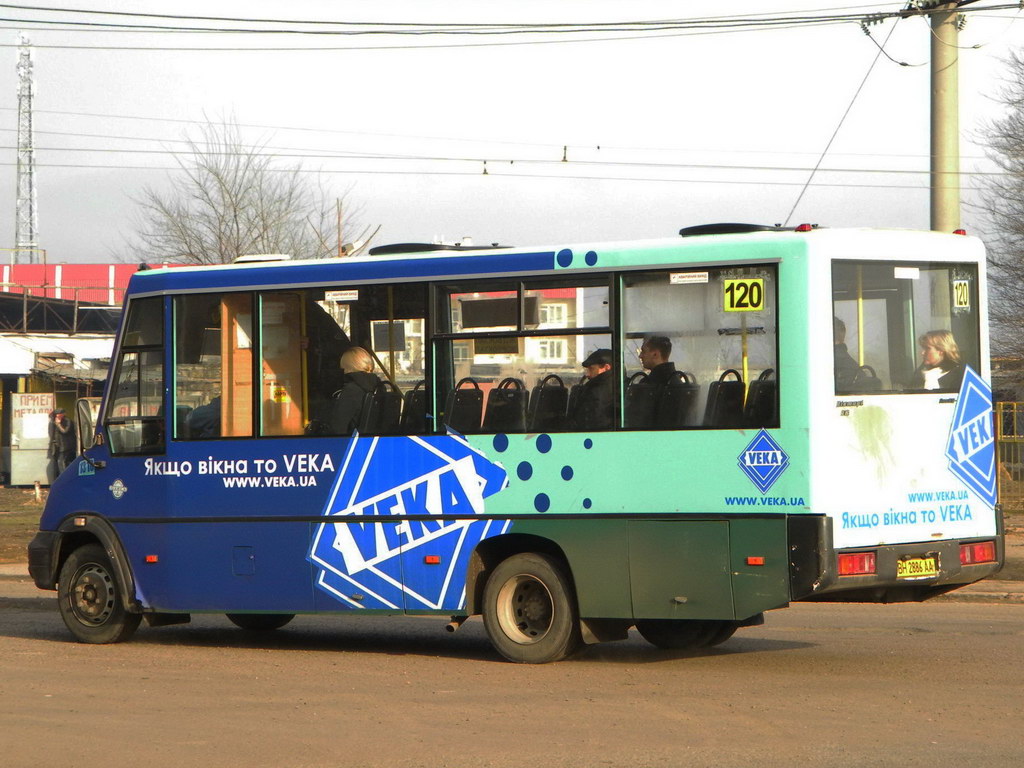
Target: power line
x,y
302,155
497,173
552,146
881,50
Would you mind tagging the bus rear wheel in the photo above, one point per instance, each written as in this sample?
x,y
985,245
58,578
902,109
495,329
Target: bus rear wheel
x,y
530,610
91,600
685,634
260,622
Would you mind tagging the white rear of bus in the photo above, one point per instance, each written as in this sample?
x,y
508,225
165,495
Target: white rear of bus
x,y
880,467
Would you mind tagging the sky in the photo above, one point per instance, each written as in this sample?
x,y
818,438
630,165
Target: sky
x,y
659,129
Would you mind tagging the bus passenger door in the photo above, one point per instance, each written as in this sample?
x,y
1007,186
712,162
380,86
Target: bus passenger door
x,y
679,569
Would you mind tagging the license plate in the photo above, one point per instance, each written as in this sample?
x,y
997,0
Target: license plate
x,y
917,567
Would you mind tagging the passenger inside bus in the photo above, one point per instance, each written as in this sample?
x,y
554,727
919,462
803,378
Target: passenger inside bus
x,y
594,405
358,382
654,356
846,368
204,421
940,367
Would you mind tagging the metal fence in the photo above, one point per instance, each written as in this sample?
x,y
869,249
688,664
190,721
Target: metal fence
x,y
1010,446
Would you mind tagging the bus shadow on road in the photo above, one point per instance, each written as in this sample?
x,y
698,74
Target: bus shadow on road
x,y
368,635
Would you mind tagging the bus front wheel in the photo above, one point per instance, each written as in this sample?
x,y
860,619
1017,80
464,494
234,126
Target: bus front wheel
x,y
260,622
90,598
530,611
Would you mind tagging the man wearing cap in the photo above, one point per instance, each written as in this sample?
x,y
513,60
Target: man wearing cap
x,y
594,406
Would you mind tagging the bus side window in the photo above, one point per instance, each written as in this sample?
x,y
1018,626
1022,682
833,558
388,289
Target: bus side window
x,y
135,416
706,340
212,366
517,348
281,393
389,323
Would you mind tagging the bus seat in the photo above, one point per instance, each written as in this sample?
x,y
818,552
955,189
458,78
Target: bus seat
x,y
866,380
506,407
762,406
574,393
414,410
382,411
678,398
724,408
641,402
548,403
464,406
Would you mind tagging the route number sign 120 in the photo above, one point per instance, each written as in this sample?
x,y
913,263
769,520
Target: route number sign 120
x,y
745,294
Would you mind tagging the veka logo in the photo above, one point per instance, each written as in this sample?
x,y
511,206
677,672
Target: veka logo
x,y
971,448
763,461
416,563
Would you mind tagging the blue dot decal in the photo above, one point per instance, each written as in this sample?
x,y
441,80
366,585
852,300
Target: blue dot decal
x,y
587,503
590,258
544,443
567,473
564,258
542,502
524,470
500,443
588,443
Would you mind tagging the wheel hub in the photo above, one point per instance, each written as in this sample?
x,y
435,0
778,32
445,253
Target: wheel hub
x,y
525,609
92,597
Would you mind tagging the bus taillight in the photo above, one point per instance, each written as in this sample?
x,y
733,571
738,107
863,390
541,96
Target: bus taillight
x,y
856,563
982,552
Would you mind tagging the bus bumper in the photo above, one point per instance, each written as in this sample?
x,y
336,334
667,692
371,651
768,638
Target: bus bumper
x,y
42,558
815,569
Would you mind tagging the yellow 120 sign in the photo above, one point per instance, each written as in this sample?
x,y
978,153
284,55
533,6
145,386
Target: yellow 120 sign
x,y
744,294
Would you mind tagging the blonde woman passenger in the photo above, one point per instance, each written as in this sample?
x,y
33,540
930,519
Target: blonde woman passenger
x,y
941,368
359,380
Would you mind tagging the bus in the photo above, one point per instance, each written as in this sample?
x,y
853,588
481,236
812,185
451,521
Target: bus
x,y
781,415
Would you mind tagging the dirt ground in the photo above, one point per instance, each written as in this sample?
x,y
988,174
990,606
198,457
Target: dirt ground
x,y
20,510
830,686
19,520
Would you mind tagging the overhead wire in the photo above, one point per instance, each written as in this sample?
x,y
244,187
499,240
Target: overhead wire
x,y
835,133
498,174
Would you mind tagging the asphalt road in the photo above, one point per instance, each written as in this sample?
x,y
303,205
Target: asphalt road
x,y
819,685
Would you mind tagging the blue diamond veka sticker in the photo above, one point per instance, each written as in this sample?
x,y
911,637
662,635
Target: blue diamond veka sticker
x,y
385,563
971,448
763,461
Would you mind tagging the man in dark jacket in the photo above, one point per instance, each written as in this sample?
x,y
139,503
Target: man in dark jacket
x,y
63,440
594,406
654,357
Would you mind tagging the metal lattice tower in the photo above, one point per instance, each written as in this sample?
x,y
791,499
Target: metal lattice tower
x,y
27,224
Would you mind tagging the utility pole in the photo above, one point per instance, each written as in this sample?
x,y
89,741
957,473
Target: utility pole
x,y
945,142
26,226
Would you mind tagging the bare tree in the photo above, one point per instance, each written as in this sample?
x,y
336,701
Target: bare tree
x,y
1003,205
230,199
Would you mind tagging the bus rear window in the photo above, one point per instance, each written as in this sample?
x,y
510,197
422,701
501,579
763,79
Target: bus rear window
x,y
903,327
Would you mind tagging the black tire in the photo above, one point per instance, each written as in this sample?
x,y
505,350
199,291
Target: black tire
x,y
530,610
90,598
677,634
725,630
260,622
